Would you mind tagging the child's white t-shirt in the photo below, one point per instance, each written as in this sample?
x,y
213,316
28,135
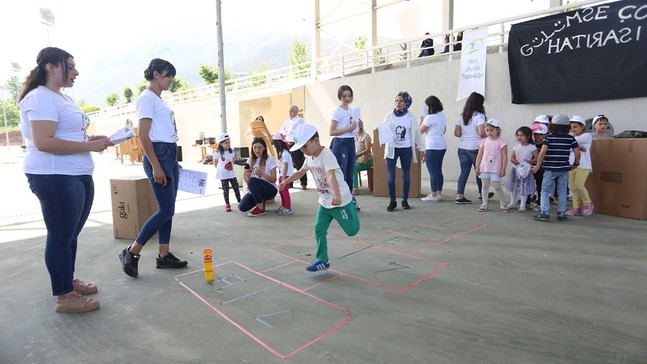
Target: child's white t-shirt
x,y
343,118
319,166
286,157
225,166
150,106
71,124
584,140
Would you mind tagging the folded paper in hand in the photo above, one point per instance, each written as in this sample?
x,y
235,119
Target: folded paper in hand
x,y
122,135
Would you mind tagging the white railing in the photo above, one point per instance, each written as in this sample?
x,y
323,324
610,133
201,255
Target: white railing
x,y
403,53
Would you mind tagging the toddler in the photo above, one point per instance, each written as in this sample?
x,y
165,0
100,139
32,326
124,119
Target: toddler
x,y
285,170
522,181
577,177
491,162
223,160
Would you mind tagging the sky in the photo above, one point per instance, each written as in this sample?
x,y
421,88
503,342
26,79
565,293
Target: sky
x,y
91,29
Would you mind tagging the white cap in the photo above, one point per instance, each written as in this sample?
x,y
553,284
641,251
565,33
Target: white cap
x,y
222,137
301,135
540,129
577,119
493,122
598,117
542,119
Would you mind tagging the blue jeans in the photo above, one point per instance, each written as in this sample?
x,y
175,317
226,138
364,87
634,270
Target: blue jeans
x,y
162,220
434,162
258,190
550,178
467,159
405,162
344,150
65,202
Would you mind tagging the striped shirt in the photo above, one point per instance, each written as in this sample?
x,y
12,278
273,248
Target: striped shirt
x,y
559,148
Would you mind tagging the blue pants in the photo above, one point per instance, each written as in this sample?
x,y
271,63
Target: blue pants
x,y
65,202
550,178
162,220
434,162
344,150
405,162
258,190
467,159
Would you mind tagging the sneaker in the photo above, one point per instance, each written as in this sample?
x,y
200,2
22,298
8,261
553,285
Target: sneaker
x,y
462,201
170,261
392,206
84,288
355,191
587,209
76,303
279,210
228,207
505,208
405,205
489,195
317,266
511,206
438,198
428,198
542,217
561,216
129,262
522,208
282,211
482,208
356,204
536,208
574,211
256,212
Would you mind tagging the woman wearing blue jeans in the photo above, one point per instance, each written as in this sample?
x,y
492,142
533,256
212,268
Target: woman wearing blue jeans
x,y
59,167
470,127
434,126
158,135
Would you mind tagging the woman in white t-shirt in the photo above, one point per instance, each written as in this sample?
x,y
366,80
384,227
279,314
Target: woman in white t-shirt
x,y
343,128
158,136
59,167
434,126
470,127
260,176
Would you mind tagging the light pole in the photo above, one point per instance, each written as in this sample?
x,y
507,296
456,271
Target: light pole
x,y
4,114
48,19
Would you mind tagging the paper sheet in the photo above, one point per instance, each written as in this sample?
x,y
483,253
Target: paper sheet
x,y
192,181
385,133
122,135
355,114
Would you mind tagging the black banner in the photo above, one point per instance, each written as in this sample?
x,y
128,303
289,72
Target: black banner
x,y
594,53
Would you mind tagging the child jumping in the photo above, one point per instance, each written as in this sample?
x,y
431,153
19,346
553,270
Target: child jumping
x,y
285,170
223,160
335,199
522,181
582,204
491,162
553,158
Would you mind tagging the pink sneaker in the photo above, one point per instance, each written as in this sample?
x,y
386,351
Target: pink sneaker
x,y
84,288
228,207
574,211
587,209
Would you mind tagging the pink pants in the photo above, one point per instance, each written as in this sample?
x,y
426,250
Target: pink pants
x,y
285,195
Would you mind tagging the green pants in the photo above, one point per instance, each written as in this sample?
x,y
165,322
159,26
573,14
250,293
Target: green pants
x,y
347,218
361,167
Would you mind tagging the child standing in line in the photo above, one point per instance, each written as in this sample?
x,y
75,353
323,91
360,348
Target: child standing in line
x,y
599,125
553,158
582,204
491,162
538,133
285,170
521,181
335,199
223,160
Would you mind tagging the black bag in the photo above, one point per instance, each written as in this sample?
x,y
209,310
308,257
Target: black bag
x,y
631,134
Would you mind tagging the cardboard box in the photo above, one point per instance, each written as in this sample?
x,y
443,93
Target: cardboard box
x,y
618,184
380,187
132,204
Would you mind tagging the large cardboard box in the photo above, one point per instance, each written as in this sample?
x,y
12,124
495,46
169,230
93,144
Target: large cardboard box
x,y
618,184
380,188
132,204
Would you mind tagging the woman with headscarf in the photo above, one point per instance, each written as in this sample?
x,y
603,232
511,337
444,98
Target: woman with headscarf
x,y
406,139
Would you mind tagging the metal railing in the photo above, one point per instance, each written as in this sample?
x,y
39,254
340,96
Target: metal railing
x,y
403,53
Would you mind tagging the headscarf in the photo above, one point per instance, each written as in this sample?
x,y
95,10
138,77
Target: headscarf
x,y
407,103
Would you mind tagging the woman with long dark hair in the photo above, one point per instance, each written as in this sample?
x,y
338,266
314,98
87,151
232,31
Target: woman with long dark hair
x,y
260,176
470,127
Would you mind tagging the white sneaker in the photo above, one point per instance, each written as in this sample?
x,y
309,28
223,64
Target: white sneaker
x,y
438,198
428,198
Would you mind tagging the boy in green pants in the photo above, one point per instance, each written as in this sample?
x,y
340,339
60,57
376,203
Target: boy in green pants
x,y
335,200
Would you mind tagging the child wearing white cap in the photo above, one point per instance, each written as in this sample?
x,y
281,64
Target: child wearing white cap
x,y
223,160
582,204
335,199
491,162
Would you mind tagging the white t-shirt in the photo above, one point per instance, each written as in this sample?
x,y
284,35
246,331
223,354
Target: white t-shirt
x,y
470,137
402,131
584,140
436,124
319,166
270,164
225,166
343,118
150,106
523,153
44,104
286,157
288,127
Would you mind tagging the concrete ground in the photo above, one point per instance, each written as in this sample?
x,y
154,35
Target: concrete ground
x,y
440,283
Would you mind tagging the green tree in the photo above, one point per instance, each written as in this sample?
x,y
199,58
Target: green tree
x,y
128,94
258,77
11,112
112,99
299,58
141,86
13,87
359,44
179,85
210,74
89,108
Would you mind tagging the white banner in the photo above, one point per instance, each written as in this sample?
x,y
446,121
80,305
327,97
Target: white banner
x,y
473,56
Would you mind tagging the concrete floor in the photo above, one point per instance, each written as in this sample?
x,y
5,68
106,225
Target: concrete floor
x,y
440,283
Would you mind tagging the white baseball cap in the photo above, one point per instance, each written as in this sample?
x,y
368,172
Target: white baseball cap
x,y
577,119
301,135
222,137
493,122
542,119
